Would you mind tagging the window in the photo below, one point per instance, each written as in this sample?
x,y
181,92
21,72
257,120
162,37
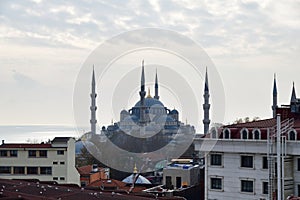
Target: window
x,y
292,135
216,159
265,187
247,161
55,162
32,153
247,186
298,163
298,190
244,133
226,133
43,153
60,152
214,133
178,182
13,153
62,163
62,178
5,170
265,162
256,134
19,170
3,153
46,170
216,183
55,178
169,182
32,170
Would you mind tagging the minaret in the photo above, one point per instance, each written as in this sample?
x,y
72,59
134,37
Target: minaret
x,y
156,86
293,99
93,107
274,106
142,95
206,105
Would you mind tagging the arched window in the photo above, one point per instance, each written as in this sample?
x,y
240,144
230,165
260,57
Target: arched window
x,y
292,135
244,133
256,135
214,133
226,133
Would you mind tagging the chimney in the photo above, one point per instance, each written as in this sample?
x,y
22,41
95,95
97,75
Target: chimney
x,y
2,141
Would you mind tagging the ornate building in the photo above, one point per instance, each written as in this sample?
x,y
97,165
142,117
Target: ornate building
x,y
148,112
148,126
149,116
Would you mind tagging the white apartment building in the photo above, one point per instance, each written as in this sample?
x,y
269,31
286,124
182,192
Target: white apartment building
x,y
253,160
241,163
46,162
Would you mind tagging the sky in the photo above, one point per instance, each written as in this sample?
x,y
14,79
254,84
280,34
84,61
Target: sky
x,y
44,44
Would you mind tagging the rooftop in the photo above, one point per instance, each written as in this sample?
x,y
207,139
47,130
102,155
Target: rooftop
x,y
33,145
16,189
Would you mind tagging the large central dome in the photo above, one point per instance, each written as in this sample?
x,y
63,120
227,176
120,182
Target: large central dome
x,y
149,102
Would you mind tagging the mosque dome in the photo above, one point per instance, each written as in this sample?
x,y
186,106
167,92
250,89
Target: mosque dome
x,y
124,112
140,180
149,102
174,112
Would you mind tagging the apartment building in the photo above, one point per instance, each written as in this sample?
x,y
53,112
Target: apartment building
x,y
54,161
254,160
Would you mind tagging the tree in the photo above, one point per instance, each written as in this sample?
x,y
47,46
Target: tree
x,y
85,158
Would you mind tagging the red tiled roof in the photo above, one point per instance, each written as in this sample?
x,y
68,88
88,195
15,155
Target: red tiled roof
x,y
86,170
262,125
119,185
24,145
108,183
265,123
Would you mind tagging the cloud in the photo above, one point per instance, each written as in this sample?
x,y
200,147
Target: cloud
x,y
38,38
24,81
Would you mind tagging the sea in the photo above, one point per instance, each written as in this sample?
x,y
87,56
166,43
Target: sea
x,y
37,133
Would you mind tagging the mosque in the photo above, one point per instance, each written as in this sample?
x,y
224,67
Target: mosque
x,y
147,126
149,117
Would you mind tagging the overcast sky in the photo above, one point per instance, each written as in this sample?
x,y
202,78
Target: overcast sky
x,y
43,45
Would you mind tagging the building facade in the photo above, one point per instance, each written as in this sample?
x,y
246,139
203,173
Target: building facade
x,y
181,173
54,161
254,160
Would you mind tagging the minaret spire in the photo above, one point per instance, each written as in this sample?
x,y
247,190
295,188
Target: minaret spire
x,y
274,106
156,86
294,100
142,96
93,107
293,97
206,105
